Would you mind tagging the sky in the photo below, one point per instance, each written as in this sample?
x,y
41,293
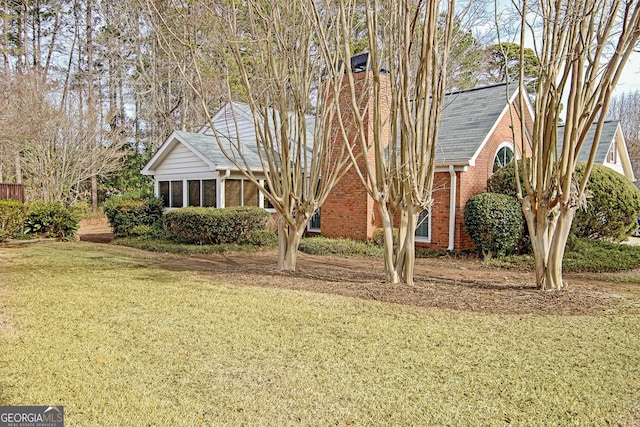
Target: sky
x,y
630,79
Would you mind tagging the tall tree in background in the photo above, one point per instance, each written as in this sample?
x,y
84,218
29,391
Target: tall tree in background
x,y
585,45
503,62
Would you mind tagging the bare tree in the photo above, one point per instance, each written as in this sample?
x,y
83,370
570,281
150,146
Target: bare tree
x,y
56,153
270,49
411,41
584,47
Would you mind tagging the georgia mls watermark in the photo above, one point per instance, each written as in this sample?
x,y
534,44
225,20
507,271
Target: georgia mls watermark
x,y
31,416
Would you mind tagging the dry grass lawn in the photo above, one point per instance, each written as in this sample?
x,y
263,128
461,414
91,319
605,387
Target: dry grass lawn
x,y
118,337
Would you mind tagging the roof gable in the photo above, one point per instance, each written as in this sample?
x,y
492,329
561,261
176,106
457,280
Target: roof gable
x,y
468,120
609,130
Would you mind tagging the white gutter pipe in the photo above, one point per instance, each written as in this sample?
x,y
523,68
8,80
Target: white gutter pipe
x,y
220,187
452,208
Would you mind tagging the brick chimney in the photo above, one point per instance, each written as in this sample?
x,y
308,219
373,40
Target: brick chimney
x,y
349,212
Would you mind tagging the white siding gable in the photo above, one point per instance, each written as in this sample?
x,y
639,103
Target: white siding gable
x,y
617,165
181,161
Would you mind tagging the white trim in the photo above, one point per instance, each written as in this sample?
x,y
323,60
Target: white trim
x,y
511,145
220,188
178,177
623,153
165,149
452,208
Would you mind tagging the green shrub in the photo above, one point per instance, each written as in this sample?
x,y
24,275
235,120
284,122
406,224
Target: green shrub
x,y
124,214
12,217
54,219
612,209
342,247
82,210
378,236
206,226
148,231
494,222
262,238
503,181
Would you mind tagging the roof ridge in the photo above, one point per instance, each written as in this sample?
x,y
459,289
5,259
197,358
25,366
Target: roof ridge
x,y
477,88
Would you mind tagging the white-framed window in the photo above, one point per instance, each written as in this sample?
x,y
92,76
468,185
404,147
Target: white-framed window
x,y
198,192
504,156
612,154
314,223
171,193
423,226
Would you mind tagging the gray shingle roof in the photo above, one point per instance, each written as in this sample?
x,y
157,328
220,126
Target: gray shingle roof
x,y
606,138
235,126
467,118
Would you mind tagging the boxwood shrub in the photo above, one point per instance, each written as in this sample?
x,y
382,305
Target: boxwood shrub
x,y
494,222
612,208
12,217
211,226
124,214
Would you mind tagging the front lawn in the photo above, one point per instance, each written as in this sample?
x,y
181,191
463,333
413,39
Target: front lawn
x,y
120,338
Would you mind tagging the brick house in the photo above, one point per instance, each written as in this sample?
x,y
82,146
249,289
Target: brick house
x,y
476,137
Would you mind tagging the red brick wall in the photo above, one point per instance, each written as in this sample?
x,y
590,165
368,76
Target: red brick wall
x,y
469,183
348,210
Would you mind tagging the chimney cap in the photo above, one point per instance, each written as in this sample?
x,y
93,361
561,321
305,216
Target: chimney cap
x,y
359,63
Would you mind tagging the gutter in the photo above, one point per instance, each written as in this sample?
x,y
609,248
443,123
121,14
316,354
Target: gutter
x,y
452,208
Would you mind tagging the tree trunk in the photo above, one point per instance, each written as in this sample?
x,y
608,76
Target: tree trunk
x,y
288,242
18,168
389,262
406,257
549,232
94,194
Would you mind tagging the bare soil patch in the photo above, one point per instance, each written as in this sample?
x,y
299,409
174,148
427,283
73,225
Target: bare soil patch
x,y
445,283
96,230
448,282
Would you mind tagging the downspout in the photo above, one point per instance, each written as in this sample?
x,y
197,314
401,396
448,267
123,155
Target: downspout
x,y
220,188
452,208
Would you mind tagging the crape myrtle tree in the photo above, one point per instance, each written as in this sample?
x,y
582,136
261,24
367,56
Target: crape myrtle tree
x,y
411,41
584,45
268,52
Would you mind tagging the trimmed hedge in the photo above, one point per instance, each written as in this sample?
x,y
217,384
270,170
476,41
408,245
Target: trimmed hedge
x,y
54,219
12,217
211,226
126,214
261,238
611,210
494,222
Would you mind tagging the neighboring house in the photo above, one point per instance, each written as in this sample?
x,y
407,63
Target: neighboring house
x,y
476,137
612,150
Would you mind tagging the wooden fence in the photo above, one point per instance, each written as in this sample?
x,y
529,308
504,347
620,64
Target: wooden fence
x,y
12,192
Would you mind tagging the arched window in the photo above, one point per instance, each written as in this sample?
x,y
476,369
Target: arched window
x,y
504,156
